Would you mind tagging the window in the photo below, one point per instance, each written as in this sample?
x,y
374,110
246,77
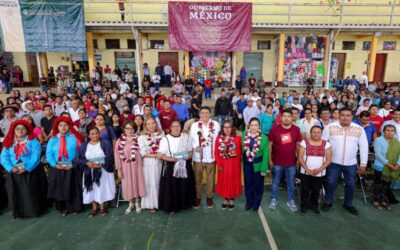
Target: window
x,y
366,45
112,44
348,45
157,44
266,45
333,46
95,44
391,45
131,44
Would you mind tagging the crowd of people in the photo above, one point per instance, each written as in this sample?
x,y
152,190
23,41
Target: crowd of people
x,y
71,146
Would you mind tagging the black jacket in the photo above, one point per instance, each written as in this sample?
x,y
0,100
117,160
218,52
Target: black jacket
x,y
223,106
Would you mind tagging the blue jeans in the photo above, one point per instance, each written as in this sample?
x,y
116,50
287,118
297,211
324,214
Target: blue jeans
x,y
290,173
332,175
222,118
156,86
207,93
8,87
253,186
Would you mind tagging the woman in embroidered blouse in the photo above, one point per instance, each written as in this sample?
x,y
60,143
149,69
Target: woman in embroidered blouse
x,y
177,190
315,155
129,165
228,155
152,163
255,163
64,178
95,160
26,179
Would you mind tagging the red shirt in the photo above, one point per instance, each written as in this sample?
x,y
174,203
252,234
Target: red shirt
x,y
284,145
166,118
377,121
130,117
208,83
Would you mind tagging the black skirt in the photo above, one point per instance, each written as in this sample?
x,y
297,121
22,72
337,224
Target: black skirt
x,y
3,192
27,193
176,193
65,189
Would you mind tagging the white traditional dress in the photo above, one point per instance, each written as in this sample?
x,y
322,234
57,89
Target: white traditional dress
x,y
151,169
106,190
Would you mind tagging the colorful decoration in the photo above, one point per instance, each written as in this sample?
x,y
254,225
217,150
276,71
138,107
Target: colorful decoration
x,y
211,64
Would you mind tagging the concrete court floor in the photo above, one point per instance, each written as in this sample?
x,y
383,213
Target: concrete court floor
x,y
208,229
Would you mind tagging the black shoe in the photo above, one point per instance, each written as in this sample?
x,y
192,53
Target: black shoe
x,y
224,205
197,204
326,207
255,209
303,210
351,209
316,210
395,201
247,208
210,203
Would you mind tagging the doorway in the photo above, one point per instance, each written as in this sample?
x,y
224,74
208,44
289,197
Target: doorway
x,y
32,66
253,62
380,67
341,63
169,57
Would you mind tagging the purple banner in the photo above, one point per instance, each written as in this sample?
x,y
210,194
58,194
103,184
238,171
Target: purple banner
x,y
209,26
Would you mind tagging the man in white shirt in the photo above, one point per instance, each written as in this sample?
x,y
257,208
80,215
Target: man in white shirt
x,y
74,110
297,105
139,107
156,81
123,86
346,138
250,111
168,74
395,122
203,135
364,80
385,111
255,97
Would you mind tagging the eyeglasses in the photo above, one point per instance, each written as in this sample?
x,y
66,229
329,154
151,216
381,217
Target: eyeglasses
x,y
20,128
129,129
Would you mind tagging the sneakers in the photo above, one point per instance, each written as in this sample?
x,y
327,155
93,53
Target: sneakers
x,y
351,209
197,204
326,207
210,203
292,206
273,204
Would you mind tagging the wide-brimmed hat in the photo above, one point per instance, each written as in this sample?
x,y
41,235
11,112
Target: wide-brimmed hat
x,y
24,104
10,107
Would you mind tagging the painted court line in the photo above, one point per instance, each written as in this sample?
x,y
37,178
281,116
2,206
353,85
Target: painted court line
x,y
267,230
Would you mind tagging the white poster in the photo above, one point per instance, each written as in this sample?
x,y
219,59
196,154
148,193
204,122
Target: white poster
x,y
11,30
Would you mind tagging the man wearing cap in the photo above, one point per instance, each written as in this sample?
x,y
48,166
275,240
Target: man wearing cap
x,y
29,109
9,117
